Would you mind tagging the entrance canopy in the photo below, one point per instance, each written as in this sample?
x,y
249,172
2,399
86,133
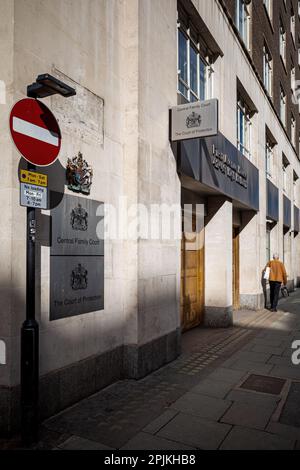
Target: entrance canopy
x,y
214,166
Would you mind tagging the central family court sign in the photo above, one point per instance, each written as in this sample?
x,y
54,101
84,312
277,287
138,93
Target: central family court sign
x,y
194,120
76,257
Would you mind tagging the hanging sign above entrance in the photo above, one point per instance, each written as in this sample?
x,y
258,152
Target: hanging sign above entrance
x,y
194,120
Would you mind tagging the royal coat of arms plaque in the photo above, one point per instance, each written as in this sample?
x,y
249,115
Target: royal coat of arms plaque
x,y
79,174
79,218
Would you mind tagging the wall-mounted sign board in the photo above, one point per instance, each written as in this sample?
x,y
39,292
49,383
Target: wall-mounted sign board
x,y
76,257
76,285
33,196
32,177
194,120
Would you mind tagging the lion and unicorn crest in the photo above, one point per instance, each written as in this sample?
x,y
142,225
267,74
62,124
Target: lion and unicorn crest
x,y
79,174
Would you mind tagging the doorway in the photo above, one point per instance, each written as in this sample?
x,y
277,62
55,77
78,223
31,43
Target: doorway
x,y
235,268
192,278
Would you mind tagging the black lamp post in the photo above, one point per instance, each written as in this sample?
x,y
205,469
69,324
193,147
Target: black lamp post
x,y
45,85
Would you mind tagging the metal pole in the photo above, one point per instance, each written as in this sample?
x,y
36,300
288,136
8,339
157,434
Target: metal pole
x,y
30,341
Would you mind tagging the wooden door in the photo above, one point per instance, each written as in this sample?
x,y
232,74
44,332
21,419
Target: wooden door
x,y
192,279
235,268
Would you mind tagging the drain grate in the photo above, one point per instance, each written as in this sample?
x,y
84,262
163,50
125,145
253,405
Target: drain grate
x,y
264,384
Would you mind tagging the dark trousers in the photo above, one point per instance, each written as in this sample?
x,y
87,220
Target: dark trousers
x,y
274,293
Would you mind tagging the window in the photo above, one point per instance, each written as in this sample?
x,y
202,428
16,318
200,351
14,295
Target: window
x,y
293,131
285,164
295,187
243,20
243,128
267,69
284,175
194,71
293,77
282,106
282,39
182,63
293,24
269,157
268,6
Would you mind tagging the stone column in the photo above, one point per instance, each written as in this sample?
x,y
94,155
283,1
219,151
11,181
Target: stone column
x,y
288,259
253,260
218,263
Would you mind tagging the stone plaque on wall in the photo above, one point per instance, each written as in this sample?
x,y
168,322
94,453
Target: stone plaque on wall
x,y
76,257
74,227
77,285
83,118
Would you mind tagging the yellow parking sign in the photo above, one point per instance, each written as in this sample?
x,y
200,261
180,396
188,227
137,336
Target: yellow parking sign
x,y
30,177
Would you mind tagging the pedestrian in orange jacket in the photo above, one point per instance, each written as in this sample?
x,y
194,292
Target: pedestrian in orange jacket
x,y
277,277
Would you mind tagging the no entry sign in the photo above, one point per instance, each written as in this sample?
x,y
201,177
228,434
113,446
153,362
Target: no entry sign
x,y
35,132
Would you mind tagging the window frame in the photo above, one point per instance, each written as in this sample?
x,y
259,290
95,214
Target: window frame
x,y
282,41
267,65
268,4
193,95
245,32
284,178
293,77
285,165
293,25
293,130
269,157
283,106
295,187
244,146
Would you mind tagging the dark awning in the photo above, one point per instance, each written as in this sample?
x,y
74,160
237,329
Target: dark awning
x,y
272,202
215,166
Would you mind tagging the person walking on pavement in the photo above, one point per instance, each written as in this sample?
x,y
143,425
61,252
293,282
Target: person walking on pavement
x,y
277,277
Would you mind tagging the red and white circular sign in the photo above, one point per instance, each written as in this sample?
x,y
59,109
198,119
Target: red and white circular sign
x,y
35,131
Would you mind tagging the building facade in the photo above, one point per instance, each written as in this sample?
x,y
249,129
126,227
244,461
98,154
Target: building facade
x,y
130,61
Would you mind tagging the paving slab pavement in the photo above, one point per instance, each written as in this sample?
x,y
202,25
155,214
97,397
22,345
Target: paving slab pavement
x,y
241,438
252,415
144,441
190,430
201,405
195,402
